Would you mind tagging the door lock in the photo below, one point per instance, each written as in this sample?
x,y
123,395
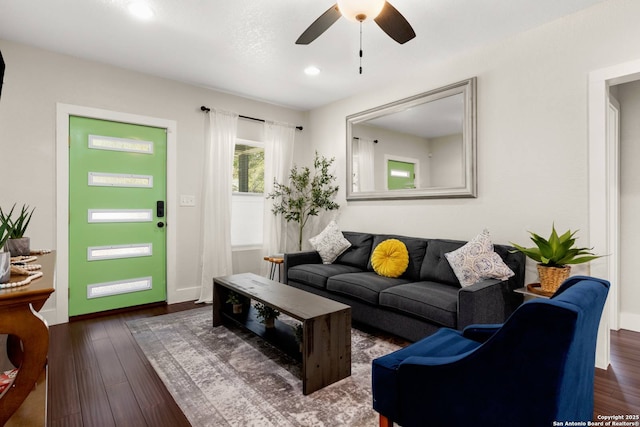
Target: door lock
x,y
160,208
160,224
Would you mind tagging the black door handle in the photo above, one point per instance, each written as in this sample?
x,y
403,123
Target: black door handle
x,y
160,208
160,224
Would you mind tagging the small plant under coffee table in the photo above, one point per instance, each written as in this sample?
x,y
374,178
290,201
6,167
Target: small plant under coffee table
x,y
234,299
267,315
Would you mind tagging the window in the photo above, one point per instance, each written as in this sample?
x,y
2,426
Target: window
x,y
247,202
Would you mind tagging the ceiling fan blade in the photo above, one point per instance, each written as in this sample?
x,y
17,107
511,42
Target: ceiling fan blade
x,y
2,65
394,24
320,25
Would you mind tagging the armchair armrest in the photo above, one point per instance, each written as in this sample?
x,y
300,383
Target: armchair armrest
x,y
483,302
480,333
299,258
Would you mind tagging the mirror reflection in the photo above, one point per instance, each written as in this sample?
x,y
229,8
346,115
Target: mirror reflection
x,y
423,146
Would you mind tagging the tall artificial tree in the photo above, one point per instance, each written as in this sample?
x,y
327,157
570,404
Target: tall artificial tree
x,y
305,195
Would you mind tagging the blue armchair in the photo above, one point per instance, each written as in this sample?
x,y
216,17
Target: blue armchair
x,y
536,368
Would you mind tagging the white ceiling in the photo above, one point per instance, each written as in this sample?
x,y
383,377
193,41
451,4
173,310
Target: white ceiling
x,y
246,47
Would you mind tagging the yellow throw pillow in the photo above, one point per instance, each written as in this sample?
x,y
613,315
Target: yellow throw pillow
x,y
390,258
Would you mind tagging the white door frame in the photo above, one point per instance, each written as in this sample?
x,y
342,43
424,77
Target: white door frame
x,y
63,111
603,197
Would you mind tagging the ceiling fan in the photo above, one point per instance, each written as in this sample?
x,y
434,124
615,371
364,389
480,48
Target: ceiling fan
x,y
2,65
382,12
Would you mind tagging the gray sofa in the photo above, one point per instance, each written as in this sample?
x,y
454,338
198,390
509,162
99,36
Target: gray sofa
x,y
426,297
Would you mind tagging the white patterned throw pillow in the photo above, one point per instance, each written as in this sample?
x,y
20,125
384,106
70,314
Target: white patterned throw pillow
x,y
476,261
330,243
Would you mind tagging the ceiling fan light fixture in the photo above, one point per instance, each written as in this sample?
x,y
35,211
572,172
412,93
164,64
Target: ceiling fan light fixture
x,y
360,10
312,70
141,10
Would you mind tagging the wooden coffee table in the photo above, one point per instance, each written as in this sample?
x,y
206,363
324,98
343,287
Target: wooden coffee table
x,y
326,340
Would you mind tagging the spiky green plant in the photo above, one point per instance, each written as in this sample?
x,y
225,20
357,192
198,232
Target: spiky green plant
x,y
18,226
305,195
558,250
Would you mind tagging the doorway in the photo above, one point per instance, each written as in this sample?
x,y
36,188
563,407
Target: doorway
x,y
60,312
117,192
603,225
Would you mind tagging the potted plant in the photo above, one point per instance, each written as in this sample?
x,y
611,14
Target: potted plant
x,y
18,244
305,195
555,256
5,257
234,299
267,315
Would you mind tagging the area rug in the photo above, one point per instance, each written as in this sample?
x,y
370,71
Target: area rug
x,y
226,376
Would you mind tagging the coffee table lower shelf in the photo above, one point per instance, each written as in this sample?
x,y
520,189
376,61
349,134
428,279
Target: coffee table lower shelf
x,y
326,325
281,337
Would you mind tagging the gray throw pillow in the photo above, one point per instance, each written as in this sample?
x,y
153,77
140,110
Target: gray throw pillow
x,y
476,261
330,243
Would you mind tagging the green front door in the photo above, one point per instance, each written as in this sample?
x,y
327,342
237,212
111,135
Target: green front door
x,y
117,191
400,175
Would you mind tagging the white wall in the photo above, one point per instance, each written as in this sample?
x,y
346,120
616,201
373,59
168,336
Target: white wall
x,y
628,95
532,131
447,161
35,80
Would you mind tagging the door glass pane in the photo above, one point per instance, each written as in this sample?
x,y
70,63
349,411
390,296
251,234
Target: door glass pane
x,y
97,290
120,180
120,215
120,144
121,251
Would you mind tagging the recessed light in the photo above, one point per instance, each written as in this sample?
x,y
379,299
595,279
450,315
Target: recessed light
x,y
312,70
141,10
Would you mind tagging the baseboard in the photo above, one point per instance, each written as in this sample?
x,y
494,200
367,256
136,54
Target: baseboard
x,y
630,321
184,294
50,316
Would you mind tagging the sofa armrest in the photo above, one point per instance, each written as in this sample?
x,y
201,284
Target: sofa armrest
x,y
483,302
299,258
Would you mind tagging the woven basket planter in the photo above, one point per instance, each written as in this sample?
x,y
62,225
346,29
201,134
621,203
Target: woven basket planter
x,y
552,277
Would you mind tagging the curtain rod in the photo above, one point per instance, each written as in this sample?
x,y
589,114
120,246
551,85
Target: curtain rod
x,y
207,109
375,141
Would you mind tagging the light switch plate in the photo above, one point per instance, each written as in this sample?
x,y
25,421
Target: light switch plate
x,y
187,200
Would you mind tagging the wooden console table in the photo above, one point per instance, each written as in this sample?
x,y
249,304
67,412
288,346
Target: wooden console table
x,y
28,340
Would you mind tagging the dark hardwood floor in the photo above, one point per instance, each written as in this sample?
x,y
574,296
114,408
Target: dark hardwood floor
x,y
99,377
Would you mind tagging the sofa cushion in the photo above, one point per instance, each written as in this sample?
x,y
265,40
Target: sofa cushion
x,y
358,254
476,260
330,243
435,267
432,301
317,274
363,286
416,248
390,258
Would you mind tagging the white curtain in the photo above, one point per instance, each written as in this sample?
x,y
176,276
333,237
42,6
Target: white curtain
x,y
278,160
215,241
366,178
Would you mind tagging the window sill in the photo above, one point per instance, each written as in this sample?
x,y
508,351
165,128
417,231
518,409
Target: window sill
x,y
246,248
